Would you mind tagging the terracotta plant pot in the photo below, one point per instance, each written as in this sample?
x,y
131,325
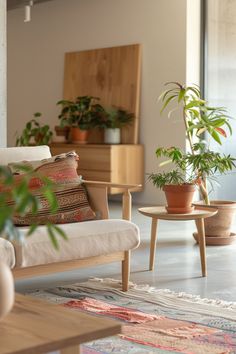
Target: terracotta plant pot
x,y
219,225
79,136
179,198
62,134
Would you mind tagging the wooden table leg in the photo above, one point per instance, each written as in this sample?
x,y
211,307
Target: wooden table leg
x,y
202,244
71,350
126,271
153,243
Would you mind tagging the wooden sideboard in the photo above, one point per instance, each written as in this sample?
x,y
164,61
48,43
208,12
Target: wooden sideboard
x,y
110,163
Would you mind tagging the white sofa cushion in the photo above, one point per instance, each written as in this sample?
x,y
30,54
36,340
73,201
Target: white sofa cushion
x,y
85,239
29,153
7,253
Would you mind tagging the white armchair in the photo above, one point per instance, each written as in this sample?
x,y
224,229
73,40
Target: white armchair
x,y
89,243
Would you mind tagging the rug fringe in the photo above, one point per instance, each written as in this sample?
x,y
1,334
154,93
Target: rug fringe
x,y
186,296
165,297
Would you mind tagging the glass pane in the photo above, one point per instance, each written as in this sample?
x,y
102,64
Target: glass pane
x,y
221,79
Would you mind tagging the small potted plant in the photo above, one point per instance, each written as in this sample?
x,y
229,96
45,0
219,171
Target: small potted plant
x,y
35,133
180,183
113,120
80,115
200,164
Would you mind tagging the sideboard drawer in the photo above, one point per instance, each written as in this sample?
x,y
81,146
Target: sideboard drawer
x,y
104,176
94,159
121,163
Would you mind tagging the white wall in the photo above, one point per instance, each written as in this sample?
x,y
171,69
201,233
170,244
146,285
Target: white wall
x,y
3,99
36,57
193,42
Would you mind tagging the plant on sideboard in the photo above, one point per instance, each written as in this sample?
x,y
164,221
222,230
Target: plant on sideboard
x,y
35,133
113,120
200,164
80,115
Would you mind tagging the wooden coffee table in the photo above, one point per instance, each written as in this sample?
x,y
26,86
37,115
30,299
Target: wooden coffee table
x,y
198,215
35,326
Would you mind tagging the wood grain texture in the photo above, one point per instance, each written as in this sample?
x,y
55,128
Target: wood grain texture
x,y
113,75
35,326
121,164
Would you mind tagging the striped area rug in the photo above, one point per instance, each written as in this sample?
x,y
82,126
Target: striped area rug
x,y
154,320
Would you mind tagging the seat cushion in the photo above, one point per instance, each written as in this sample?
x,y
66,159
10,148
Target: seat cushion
x,y
86,239
7,253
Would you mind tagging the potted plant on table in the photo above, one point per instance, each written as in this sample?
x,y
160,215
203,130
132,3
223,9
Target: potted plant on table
x,y
80,115
113,120
200,164
35,133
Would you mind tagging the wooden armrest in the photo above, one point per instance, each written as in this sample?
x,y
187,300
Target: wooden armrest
x,y
126,198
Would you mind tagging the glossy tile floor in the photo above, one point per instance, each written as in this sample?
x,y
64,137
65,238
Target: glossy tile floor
x,y
177,265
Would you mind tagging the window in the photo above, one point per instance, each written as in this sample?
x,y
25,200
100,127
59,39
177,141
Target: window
x,y
220,77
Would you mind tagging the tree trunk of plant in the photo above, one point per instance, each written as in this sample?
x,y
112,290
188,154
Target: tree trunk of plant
x,y
202,186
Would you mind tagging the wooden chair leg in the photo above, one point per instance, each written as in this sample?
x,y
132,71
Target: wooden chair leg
x,y
71,350
126,205
202,244
153,243
126,271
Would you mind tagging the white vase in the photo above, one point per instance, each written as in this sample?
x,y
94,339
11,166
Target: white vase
x,y
7,293
112,136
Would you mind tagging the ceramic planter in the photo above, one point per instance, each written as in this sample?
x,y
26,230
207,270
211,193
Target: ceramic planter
x,y
179,198
61,134
218,227
79,136
6,290
112,136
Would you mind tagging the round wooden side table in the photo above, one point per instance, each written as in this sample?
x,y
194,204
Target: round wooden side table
x,y
198,215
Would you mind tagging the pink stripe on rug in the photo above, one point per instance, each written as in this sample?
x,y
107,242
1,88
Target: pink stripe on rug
x,y
102,308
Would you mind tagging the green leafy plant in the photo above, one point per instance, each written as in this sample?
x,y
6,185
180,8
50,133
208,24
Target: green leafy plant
x,y
84,112
116,118
33,129
201,163
190,168
19,199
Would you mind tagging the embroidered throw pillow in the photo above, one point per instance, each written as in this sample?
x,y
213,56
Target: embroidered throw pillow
x,y
59,169
73,205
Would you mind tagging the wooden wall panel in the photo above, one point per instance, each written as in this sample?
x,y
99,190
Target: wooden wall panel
x,y
113,75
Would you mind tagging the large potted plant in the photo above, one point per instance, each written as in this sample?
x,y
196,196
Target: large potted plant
x,y
200,163
80,115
